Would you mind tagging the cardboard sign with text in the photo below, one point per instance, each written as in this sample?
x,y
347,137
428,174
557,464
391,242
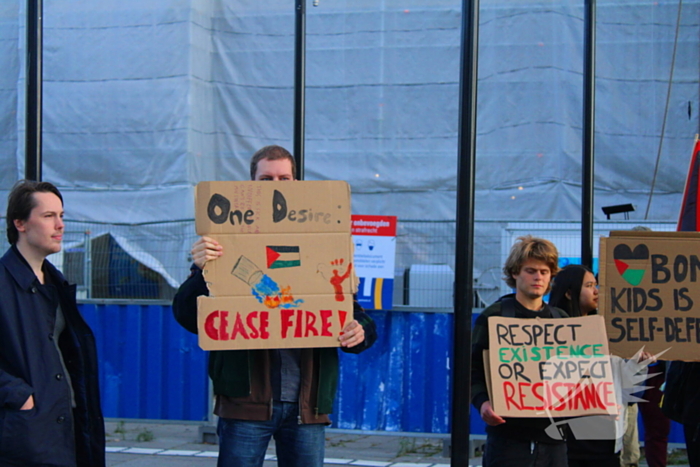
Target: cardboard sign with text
x,y
286,278
550,367
649,293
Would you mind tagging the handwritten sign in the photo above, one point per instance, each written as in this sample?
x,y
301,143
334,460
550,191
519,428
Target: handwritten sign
x,y
286,277
649,293
550,367
241,322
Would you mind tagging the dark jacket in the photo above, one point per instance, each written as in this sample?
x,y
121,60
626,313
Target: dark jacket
x,y
241,378
31,365
531,429
682,394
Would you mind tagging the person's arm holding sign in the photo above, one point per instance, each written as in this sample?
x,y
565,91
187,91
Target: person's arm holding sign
x,y
489,416
205,249
480,397
185,302
359,334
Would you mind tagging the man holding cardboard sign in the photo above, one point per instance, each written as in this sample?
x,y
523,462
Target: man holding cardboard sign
x,y
264,391
516,441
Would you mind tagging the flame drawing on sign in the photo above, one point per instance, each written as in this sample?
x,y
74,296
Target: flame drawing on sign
x,y
263,287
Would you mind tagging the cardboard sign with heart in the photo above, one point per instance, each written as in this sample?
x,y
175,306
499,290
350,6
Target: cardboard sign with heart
x,y
631,264
649,294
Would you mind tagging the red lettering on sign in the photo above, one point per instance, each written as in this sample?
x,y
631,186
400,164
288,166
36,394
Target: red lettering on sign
x,y
210,327
286,321
579,399
343,316
249,321
607,393
558,396
297,330
310,324
523,394
304,323
238,328
539,394
508,393
216,326
326,322
264,323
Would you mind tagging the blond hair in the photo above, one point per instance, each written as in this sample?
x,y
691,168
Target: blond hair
x,y
526,248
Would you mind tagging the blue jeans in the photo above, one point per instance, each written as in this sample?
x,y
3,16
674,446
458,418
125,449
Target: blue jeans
x,y
243,443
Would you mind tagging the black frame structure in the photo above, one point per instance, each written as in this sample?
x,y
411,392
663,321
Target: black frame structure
x,y
588,157
464,247
34,90
299,86
463,301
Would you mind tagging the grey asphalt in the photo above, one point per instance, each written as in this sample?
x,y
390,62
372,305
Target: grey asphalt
x,y
153,444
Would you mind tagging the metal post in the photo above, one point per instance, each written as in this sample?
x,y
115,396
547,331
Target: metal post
x,y
464,293
588,162
32,155
299,86
87,248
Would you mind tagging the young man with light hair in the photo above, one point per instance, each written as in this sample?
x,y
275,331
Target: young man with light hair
x,y
518,442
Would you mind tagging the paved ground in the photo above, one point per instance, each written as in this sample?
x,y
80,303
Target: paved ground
x,y
136,444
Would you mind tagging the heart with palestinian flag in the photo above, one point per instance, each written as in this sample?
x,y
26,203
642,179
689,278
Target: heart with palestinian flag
x,y
631,264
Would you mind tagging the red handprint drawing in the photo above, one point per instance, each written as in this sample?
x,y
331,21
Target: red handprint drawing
x,y
337,279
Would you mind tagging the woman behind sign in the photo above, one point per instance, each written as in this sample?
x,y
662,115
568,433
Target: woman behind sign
x,y
575,291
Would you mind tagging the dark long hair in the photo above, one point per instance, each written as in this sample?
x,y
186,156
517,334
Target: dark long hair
x,y
569,279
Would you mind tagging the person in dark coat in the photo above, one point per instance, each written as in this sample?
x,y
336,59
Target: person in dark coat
x,y
50,413
681,403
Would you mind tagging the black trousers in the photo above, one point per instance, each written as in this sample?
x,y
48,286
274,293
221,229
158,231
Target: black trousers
x,y
507,452
612,462
692,443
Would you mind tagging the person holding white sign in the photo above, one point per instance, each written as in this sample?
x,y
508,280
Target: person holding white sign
x,y
518,442
282,393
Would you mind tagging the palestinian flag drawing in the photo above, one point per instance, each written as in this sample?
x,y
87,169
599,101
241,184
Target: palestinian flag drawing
x,y
282,257
631,264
